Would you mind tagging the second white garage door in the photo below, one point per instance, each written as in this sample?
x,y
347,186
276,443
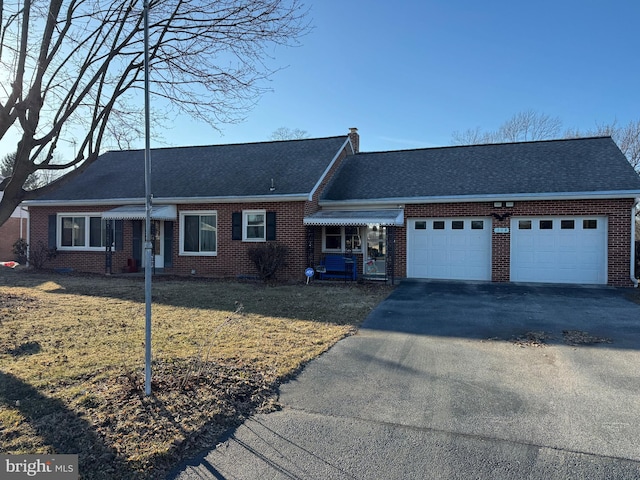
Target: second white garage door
x,y
559,250
449,248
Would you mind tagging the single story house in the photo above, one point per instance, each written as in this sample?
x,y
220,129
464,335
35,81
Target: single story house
x,y
557,211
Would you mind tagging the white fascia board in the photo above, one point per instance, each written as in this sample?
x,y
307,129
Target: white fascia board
x,y
89,203
328,169
294,197
482,198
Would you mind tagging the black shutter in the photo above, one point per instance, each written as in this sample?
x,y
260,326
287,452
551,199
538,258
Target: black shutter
x,y
53,222
236,226
271,226
119,234
168,244
136,243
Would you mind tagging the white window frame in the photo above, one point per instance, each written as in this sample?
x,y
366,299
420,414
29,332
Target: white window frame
x,y
199,213
245,225
343,238
87,232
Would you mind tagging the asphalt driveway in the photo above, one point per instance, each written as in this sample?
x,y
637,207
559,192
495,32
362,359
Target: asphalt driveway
x,y
458,380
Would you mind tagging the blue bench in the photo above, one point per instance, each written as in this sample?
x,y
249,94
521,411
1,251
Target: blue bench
x,y
338,266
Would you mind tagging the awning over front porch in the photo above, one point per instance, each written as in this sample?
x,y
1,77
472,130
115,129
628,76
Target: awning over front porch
x,y
394,217
138,212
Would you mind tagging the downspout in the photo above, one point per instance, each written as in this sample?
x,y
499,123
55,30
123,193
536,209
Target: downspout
x,y
28,239
633,243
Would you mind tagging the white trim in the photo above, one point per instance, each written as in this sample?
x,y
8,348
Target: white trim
x,y
343,238
328,169
181,225
292,197
245,214
521,197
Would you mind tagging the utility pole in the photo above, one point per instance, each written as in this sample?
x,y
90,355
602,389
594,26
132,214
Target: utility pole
x,y
147,196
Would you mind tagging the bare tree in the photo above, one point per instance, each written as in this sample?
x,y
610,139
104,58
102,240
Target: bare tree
x,y
285,133
528,125
474,136
74,69
627,137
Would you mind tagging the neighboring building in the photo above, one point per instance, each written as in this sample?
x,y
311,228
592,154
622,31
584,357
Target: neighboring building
x,y
12,230
552,211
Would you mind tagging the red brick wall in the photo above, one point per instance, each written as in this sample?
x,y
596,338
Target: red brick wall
x,y
618,212
9,234
232,259
92,262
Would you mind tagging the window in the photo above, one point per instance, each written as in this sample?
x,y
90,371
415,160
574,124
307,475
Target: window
x,y
352,238
83,232
457,224
589,224
546,224
338,239
524,224
438,225
199,233
421,225
333,238
73,232
567,224
254,225
477,225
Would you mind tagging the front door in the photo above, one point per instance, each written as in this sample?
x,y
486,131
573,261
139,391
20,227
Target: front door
x,y
376,253
157,237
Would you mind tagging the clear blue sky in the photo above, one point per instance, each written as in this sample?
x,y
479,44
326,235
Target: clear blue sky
x,y
410,73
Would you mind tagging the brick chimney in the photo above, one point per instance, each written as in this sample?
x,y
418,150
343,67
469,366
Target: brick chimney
x,y
355,139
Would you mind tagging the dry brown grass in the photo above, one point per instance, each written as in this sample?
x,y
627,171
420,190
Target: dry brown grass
x,y
72,358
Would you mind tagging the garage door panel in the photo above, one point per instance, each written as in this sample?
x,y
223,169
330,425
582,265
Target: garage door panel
x,y
565,253
454,249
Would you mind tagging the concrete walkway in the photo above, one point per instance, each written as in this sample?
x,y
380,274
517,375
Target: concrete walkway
x,y
436,385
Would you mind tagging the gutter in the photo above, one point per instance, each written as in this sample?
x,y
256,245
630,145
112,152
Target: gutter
x,y
632,262
288,197
494,197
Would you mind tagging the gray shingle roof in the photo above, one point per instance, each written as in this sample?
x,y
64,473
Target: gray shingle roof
x,y
205,171
558,166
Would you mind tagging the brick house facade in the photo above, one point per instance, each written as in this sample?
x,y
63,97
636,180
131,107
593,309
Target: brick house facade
x,y
328,199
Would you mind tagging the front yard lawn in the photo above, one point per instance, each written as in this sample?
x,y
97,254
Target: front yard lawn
x,y
72,362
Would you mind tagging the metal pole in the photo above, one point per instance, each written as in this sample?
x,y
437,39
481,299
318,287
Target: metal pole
x,y
147,196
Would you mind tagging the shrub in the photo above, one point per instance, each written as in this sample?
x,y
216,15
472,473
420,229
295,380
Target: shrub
x,y
20,249
40,255
268,259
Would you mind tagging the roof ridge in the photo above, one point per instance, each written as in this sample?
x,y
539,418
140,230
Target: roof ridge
x,y
263,142
445,147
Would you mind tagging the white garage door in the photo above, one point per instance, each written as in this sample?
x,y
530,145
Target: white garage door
x,y
559,250
449,248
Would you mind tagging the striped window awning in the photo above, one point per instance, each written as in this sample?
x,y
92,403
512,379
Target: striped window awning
x,y
139,212
393,217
